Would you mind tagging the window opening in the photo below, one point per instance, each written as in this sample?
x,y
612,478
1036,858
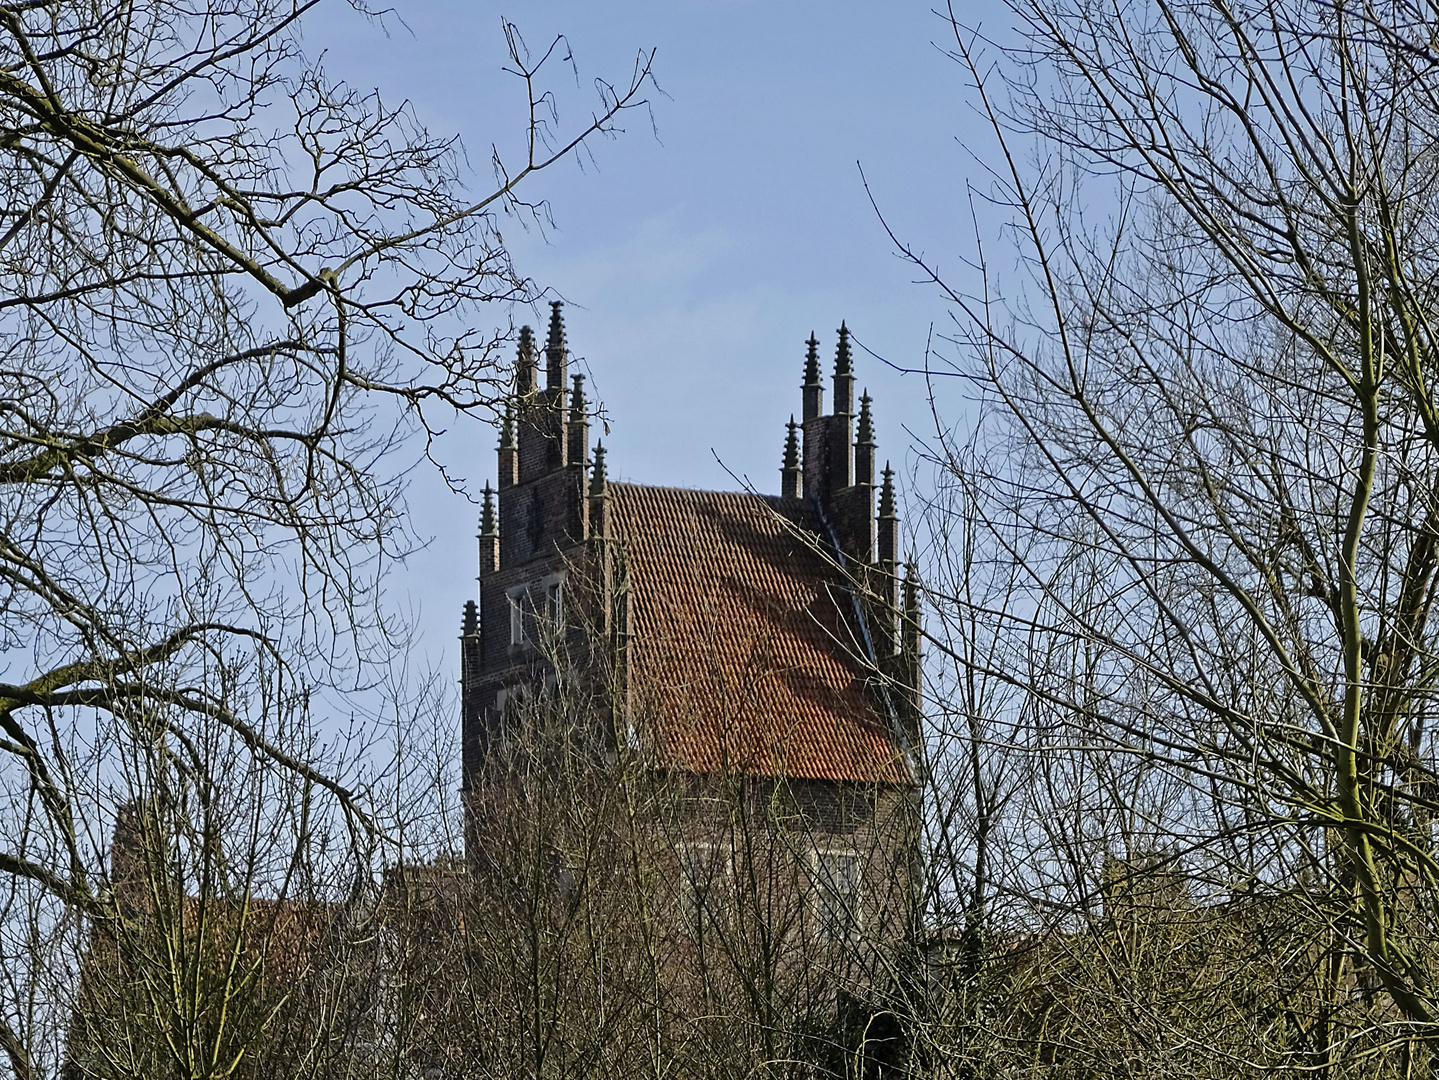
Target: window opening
x,y
707,885
536,608
836,894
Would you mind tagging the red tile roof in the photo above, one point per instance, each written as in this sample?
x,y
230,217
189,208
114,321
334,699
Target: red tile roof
x,y
742,655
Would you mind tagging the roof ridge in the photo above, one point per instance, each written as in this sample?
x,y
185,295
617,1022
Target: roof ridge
x,y
694,490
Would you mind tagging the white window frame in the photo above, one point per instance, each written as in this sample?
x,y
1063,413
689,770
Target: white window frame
x,y
550,591
517,616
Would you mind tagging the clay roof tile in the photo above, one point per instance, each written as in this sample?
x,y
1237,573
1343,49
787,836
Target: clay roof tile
x,y
743,653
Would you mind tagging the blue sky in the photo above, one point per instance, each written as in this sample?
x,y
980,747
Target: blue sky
x,y
697,256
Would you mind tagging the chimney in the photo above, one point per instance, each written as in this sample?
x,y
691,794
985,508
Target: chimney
x,y
578,429
489,536
789,473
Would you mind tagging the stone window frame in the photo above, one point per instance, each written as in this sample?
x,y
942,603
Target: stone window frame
x,y
524,612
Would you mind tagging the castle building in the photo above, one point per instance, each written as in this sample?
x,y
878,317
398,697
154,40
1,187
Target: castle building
x,y
757,656
769,637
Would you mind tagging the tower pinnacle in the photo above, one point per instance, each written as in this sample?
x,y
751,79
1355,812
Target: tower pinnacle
x,y
864,444
842,360
577,400
911,607
599,497
577,430
487,513
507,427
555,348
789,469
525,363
791,445
597,477
489,535
812,388
509,455
843,375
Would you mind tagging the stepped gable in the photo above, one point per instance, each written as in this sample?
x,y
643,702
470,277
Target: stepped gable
x,y
746,633
740,646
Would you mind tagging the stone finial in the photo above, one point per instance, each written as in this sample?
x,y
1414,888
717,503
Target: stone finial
x,y
790,472
577,429
887,540
843,375
910,632
471,656
865,432
488,526
489,534
812,389
507,427
598,523
556,339
909,668
597,477
555,351
509,456
864,445
842,359
525,363
886,493
577,401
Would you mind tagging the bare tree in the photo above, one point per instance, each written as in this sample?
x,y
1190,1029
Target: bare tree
x,y
237,299
1206,446
625,916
